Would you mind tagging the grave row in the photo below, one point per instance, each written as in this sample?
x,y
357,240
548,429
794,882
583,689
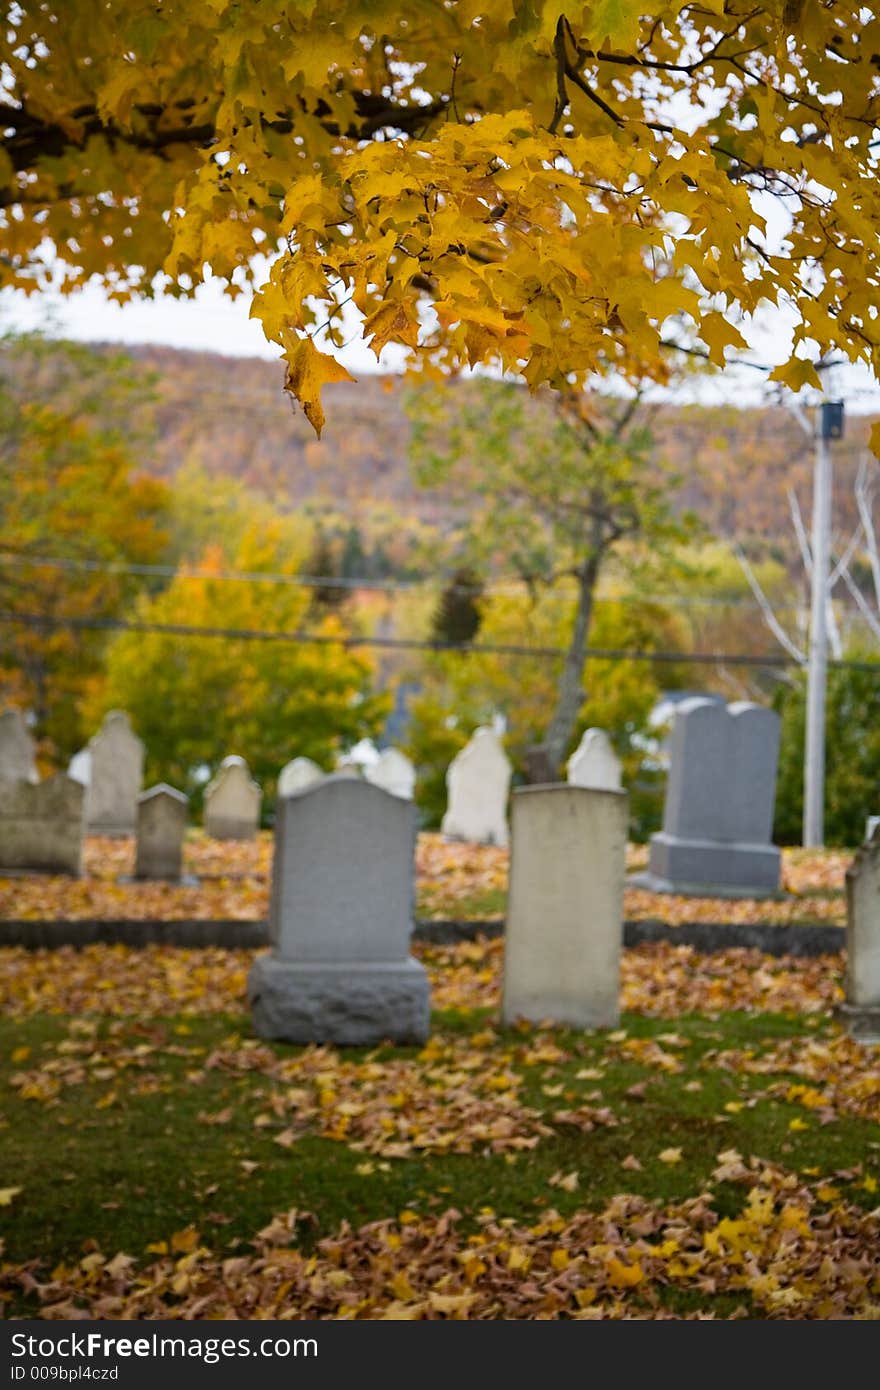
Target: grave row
x,y
715,839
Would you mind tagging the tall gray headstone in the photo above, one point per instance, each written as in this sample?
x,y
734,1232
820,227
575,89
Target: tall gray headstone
x,y
17,762
41,826
564,931
161,827
718,813
860,1011
477,783
594,763
232,802
298,774
115,777
340,921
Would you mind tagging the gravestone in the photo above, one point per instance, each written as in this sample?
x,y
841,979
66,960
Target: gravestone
x,y
364,754
161,826
860,1011
718,813
871,825
232,802
16,749
340,921
112,768
41,825
564,930
298,774
477,783
393,772
594,763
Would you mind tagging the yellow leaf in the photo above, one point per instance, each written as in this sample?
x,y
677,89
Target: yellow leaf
x,y
185,1240
796,374
392,322
670,1156
308,370
624,1276
7,1194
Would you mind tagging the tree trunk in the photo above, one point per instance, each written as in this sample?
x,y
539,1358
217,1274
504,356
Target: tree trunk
x,y
544,760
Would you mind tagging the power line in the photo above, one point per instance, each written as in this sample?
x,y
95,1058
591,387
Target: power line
x,y
310,581
770,659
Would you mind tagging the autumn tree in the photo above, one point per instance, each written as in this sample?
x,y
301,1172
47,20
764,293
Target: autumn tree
x,y
75,515
196,698
569,187
552,487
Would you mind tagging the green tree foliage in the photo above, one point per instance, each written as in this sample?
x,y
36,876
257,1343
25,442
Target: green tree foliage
x,y
193,700
852,784
69,492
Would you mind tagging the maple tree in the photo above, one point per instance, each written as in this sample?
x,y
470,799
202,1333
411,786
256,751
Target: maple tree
x,y
609,170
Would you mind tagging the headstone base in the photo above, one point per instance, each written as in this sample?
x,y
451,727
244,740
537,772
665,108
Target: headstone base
x,y
861,1021
112,830
710,868
357,1004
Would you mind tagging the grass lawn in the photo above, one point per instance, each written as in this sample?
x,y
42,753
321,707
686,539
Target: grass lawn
x,y
718,1155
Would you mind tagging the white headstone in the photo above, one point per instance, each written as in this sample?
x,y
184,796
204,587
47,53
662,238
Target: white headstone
x,y
340,920
363,755
232,802
17,762
393,772
298,774
477,784
161,827
564,930
861,1008
80,767
870,826
594,763
41,825
116,773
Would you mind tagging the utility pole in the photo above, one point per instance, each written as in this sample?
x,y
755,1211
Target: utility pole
x,y
829,426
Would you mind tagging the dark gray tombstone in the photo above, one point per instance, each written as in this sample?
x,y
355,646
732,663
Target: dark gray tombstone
x,y
341,919
720,794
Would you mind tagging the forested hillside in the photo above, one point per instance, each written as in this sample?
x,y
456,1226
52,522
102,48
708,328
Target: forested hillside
x,y
232,415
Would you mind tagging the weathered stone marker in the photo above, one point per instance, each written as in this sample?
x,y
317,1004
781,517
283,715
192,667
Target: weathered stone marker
x,y
161,827
232,802
393,772
564,931
17,762
298,774
860,1011
594,763
41,826
340,920
720,794
112,765
477,782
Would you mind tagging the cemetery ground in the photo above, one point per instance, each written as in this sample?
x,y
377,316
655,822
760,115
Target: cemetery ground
x,y
716,1155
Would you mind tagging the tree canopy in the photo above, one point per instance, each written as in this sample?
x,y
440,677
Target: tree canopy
x,y
569,188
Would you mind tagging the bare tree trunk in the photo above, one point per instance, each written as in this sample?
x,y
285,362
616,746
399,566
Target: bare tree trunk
x,y
544,760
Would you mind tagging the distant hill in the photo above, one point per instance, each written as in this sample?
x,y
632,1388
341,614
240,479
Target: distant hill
x,y
233,414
